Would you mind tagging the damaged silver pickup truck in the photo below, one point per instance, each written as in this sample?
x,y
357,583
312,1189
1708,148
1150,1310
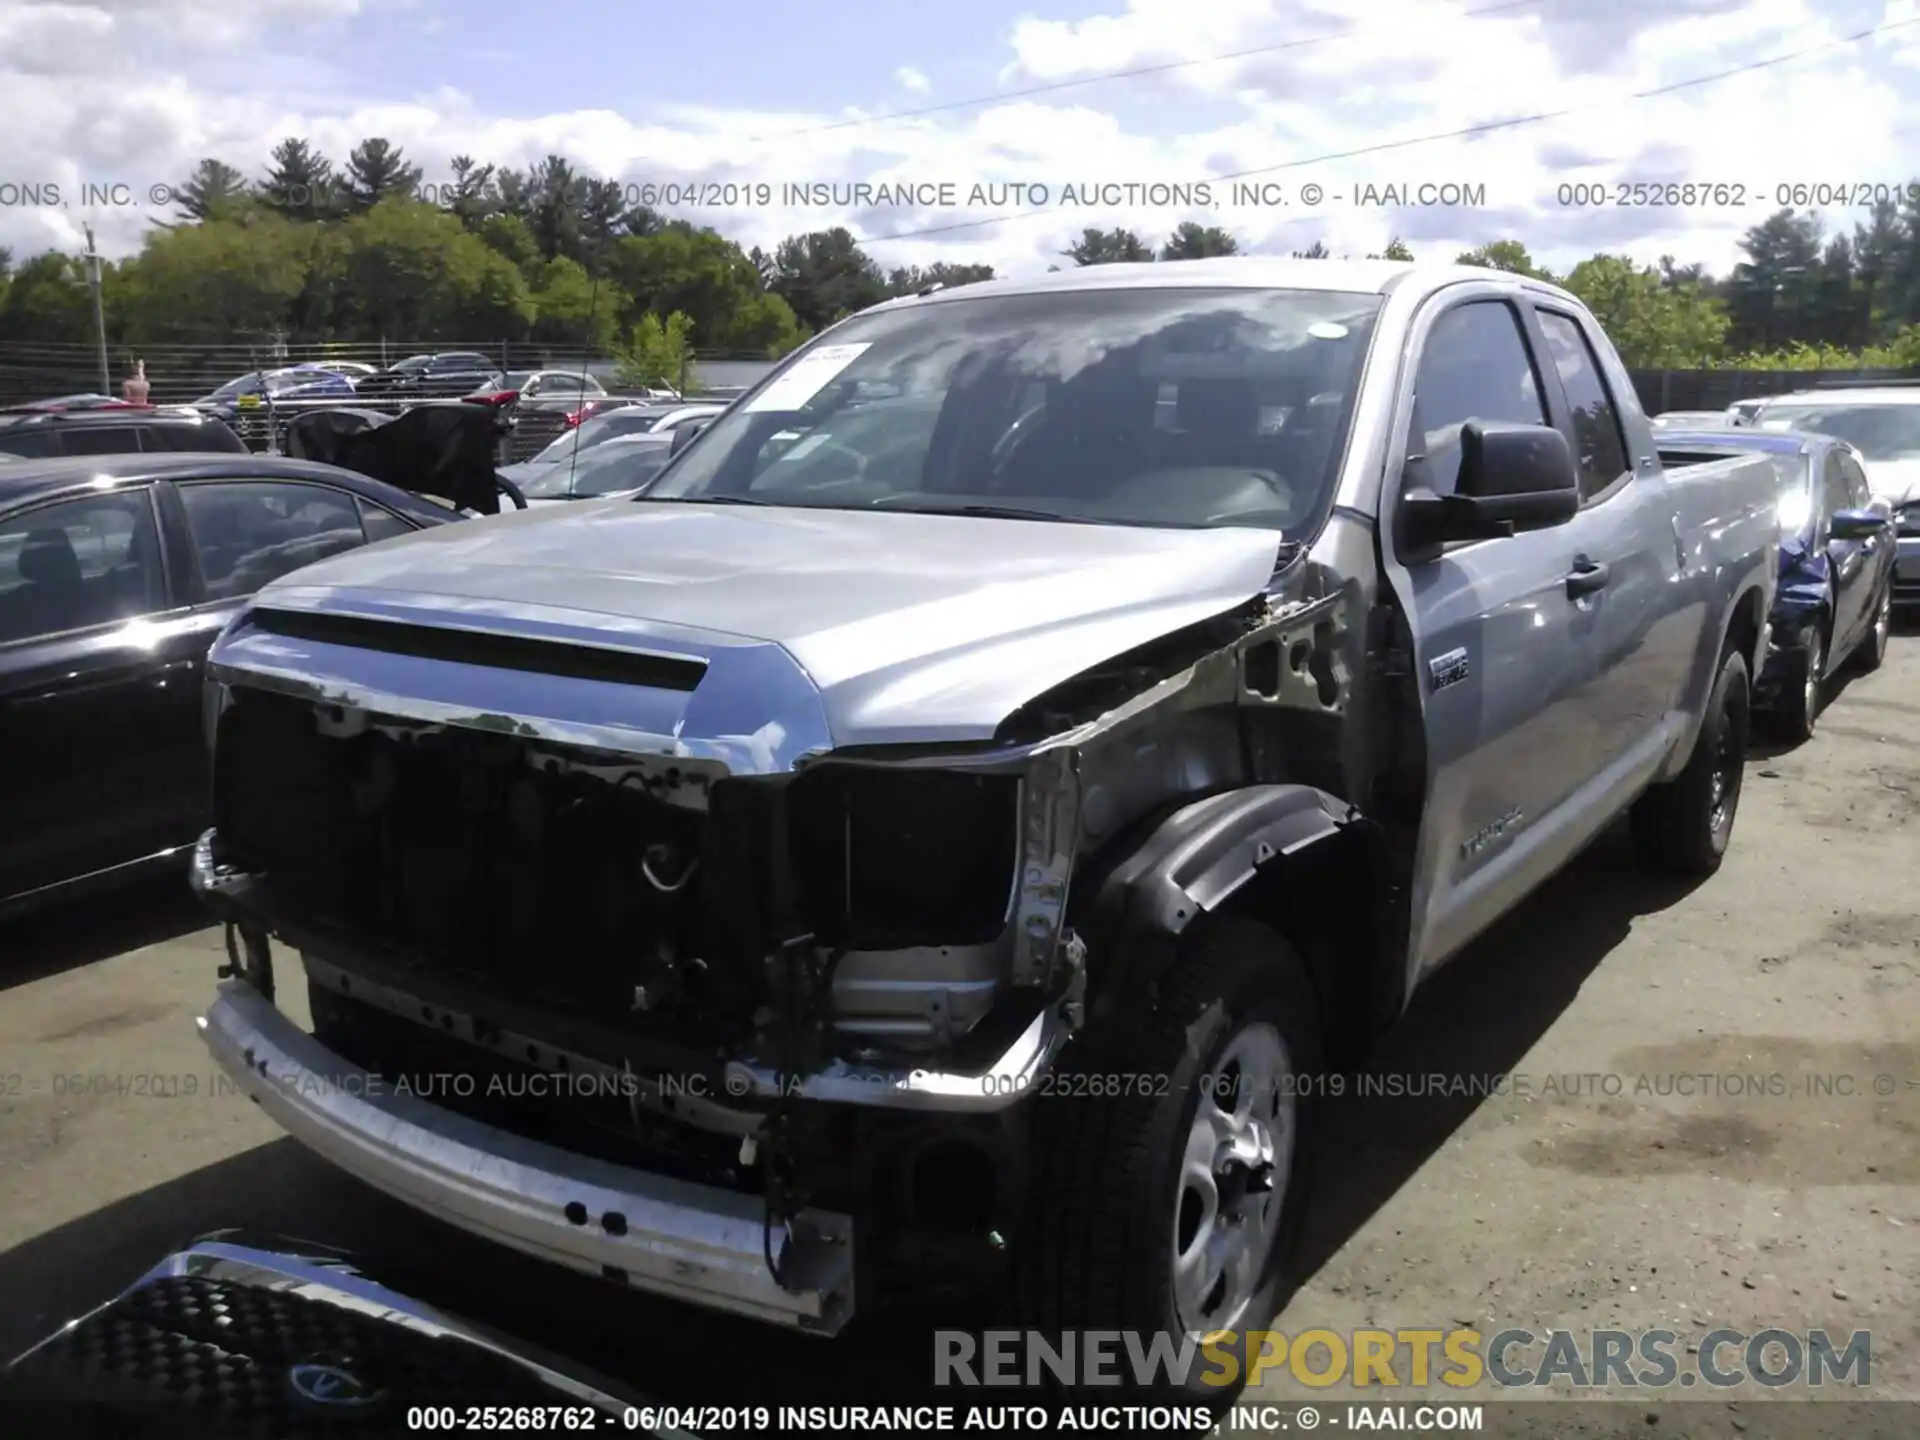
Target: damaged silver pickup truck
x,y
932,838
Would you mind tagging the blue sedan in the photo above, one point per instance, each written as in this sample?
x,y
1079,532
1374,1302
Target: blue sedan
x,y
1834,604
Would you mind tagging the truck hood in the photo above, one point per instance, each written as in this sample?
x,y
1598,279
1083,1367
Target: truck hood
x,y
910,628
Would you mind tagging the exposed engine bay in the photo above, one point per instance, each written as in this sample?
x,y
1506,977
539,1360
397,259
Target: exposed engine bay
x,y
654,961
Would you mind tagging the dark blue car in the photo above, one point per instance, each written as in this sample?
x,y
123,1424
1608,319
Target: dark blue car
x,y
1834,605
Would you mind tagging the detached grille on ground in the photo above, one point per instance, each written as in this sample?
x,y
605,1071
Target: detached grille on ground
x,y
238,1360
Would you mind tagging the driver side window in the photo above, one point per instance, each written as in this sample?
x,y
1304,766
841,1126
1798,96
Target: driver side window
x,y
1835,486
1859,492
1475,366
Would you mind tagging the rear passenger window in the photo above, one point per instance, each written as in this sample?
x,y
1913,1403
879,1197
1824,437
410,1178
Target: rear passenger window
x,y
78,564
34,444
1475,366
105,440
1599,445
247,533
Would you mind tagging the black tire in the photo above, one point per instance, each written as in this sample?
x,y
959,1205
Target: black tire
x,y
1795,712
1681,826
1097,1246
1871,653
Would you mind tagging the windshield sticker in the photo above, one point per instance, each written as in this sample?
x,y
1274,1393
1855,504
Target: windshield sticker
x,y
1327,330
807,377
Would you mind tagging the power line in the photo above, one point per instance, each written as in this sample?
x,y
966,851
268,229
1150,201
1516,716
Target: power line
x,y
1464,132
1167,67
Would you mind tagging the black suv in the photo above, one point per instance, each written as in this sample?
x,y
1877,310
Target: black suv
x,y
40,435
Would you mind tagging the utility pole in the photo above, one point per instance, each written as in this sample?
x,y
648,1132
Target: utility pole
x,y
99,312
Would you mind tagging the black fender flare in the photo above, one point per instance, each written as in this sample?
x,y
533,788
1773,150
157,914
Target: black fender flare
x,y
1300,858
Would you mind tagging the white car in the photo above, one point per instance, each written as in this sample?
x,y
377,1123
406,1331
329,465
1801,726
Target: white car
x,y
1691,420
1883,424
1741,412
616,467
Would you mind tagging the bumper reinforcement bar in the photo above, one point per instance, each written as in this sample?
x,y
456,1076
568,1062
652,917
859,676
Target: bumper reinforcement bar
x,y
691,1242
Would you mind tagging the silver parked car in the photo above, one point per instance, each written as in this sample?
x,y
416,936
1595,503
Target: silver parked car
x,y
932,838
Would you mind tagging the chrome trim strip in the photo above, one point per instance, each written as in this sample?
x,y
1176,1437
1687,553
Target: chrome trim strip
x,y
1001,1085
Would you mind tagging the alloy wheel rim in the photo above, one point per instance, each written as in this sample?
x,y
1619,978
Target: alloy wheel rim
x,y
1816,654
1233,1181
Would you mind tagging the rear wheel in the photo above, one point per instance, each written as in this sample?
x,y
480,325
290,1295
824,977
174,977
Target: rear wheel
x,y
1171,1208
1684,825
1873,650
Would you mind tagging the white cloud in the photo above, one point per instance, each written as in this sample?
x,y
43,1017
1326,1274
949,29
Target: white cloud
x,y
1393,70
908,78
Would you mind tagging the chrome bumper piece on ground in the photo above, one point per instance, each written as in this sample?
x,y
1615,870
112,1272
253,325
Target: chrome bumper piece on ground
x,y
692,1242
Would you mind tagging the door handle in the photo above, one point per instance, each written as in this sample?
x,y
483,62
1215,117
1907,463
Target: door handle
x,y
1586,577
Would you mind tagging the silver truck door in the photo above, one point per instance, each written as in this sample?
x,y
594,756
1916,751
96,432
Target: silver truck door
x,y
1503,654
1644,637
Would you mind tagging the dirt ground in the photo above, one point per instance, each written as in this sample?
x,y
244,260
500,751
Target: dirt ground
x,y
1588,1194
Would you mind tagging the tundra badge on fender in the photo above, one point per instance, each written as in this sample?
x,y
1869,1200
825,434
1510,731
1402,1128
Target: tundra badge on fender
x,y
1448,669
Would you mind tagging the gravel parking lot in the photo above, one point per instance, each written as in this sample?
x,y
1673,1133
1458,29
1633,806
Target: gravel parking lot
x,y
1602,1189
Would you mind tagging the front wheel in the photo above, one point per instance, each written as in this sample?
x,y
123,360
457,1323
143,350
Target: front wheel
x,y
1684,825
1797,710
1171,1209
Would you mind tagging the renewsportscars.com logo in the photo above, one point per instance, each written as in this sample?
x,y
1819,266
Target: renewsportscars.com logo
x,y
1364,1359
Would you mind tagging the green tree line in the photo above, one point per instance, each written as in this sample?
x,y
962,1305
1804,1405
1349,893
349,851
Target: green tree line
x,y
309,252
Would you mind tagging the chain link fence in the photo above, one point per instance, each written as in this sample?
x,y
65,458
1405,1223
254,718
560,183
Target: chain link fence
x,y
186,374
178,374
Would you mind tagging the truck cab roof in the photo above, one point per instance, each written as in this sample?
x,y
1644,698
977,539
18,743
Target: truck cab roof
x,y
1260,272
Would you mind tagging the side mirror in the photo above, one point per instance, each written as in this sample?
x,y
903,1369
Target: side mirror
x,y
1512,478
683,437
1856,524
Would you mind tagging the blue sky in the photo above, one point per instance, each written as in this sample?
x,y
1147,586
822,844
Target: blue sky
x,y
590,54
136,91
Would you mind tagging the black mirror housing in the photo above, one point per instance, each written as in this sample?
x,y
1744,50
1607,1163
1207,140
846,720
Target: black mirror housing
x,y
1501,462
1856,524
1512,478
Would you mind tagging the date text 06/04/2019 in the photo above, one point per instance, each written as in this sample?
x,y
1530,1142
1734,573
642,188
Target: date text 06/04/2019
x,y
1108,194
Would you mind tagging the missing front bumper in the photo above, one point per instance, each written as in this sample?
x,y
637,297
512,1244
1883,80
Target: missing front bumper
x,y
690,1242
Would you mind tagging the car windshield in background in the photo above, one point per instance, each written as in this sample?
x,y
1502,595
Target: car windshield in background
x,y
1176,407
601,471
234,389
610,426
1879,432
